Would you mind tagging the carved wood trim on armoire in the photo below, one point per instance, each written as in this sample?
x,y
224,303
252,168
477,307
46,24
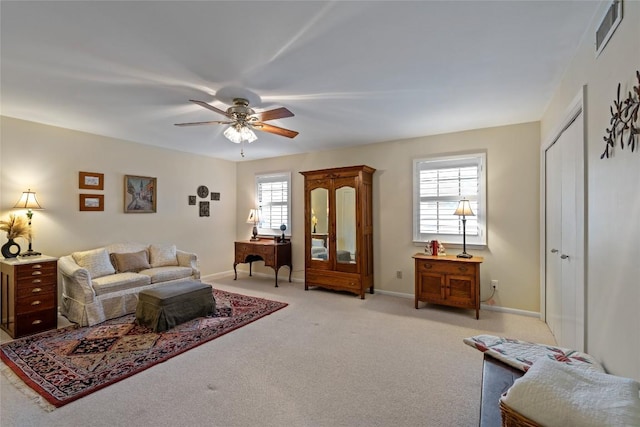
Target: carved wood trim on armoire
x,y
338,213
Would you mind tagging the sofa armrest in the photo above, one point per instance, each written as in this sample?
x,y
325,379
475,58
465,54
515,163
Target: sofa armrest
x,y
188,259
76,281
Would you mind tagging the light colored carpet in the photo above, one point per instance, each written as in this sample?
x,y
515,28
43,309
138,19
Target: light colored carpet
x,y
328,359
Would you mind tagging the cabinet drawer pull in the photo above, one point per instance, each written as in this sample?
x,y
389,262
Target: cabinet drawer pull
x,y
36,273
36,290
36,281
38,302
462,268
36,266
36,322
427,266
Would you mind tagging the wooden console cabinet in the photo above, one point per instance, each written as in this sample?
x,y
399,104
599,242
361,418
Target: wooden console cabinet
x,y
448,280
29,293
274,254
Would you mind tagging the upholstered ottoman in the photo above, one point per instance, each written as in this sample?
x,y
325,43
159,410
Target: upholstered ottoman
x,y
167,306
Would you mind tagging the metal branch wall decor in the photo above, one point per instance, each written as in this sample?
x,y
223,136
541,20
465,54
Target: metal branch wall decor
x,y
624,120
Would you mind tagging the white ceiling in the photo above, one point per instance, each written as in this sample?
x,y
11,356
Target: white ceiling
x,y
352,72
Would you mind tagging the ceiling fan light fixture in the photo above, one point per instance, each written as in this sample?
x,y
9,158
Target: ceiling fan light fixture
x,y
238,134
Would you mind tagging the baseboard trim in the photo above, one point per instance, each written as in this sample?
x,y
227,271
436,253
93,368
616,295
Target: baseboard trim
x,y
230,273
510,310
482,306
393,294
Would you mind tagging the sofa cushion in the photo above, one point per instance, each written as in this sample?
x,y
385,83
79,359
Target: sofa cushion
x,y
163,255
164,274
133,262
96,261
119,282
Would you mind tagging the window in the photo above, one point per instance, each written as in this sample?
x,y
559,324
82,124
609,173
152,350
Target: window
x,y
438,185
273,198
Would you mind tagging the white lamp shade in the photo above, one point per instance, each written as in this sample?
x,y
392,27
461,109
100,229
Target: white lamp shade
x,y
464,208
28,201
254,216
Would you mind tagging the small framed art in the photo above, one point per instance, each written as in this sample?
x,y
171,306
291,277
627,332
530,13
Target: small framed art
x,y
192,200
204,208
140,194
92,202
215,196
91,180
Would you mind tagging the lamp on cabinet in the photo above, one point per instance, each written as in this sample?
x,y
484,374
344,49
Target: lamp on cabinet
x,y
28,201
464,210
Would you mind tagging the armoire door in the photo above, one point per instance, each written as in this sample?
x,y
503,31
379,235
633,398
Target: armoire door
x,y
564,252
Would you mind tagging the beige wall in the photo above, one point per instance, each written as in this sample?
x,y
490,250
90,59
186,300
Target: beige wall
x,y
613,195
513,205
47,159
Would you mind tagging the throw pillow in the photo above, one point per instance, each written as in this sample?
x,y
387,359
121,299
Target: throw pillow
x,y
96,261
133,262
163,255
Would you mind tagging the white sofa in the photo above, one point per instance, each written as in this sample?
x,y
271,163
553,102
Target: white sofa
x,y
103,283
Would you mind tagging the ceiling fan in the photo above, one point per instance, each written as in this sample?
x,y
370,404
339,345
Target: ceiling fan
x,y
243,119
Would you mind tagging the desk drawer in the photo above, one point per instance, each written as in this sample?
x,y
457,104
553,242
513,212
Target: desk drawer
x,y
36,269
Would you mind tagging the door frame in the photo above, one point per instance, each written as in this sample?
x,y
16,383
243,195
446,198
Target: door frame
x,y
576,107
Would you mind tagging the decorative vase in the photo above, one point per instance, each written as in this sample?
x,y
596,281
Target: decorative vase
x,y
6,249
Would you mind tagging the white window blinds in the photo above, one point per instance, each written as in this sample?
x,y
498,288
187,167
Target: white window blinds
x,y
273,199
439,184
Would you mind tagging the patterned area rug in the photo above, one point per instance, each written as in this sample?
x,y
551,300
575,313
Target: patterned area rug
x,y
66,364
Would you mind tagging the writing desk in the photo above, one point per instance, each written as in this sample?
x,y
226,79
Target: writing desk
x,y
274,254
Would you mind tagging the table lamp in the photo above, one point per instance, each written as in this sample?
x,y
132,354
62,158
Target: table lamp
x,y
464,210
28,201
254,218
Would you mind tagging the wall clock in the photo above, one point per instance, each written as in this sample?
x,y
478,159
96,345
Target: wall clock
x,y
203,191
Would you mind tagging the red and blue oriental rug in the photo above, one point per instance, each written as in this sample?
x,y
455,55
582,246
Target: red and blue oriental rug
x,y
66,364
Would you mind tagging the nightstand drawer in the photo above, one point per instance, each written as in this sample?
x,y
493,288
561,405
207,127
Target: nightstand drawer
x,y
446,267
36,302
36,269
38,321
33,289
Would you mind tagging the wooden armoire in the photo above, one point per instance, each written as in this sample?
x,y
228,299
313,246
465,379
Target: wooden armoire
x,y
339,229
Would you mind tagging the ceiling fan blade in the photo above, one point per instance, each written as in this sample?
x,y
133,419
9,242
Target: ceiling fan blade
x,y
278,113
209,107
215,122
275,129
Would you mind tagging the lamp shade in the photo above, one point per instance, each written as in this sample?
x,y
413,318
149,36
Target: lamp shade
x,y
254,216
464,208
28,201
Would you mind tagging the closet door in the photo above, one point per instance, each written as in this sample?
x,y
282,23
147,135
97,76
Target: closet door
x,y
564,276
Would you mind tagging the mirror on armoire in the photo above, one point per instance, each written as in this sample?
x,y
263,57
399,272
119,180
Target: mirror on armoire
x,y
346,225
319,224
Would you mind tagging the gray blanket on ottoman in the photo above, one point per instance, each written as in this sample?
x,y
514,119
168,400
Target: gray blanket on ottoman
x,y
167,306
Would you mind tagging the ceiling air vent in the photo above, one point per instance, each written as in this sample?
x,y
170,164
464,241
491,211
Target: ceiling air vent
x,y
609,23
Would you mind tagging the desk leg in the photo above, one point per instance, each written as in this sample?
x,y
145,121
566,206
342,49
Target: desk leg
x,y
290,268
250,264
235,271
276,269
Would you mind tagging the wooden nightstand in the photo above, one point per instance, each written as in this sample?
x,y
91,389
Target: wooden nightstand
x,y
29,293
448,280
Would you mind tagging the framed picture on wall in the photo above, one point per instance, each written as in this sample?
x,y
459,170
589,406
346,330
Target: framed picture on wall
x,y
204,208
91,202
140,194
91,180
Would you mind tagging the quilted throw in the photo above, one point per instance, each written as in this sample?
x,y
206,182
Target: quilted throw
x,y
522,354
561,394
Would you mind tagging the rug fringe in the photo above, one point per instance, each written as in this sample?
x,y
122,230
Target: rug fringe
x,y
25,389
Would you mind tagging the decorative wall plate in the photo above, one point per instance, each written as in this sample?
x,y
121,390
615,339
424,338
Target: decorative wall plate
x,y
203,191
